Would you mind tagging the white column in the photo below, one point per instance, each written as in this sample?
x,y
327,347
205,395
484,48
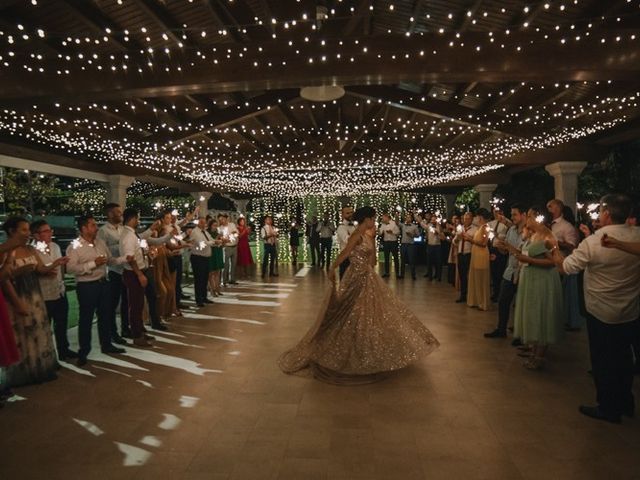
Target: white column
x,y
565,179
486,193
450,202
241,205
202,201
117,189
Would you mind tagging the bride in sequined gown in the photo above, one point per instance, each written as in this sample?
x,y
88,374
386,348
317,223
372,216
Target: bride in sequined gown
x,y
363,330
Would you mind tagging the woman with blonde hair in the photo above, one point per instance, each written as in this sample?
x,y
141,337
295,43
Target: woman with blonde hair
x,y
479,289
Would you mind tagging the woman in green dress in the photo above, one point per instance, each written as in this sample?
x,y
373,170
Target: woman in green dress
x,y
216,260
539,308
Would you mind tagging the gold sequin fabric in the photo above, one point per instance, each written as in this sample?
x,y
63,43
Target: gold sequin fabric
x,y
362,330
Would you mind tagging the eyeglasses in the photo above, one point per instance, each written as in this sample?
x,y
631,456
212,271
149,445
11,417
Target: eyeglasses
x,y
47,230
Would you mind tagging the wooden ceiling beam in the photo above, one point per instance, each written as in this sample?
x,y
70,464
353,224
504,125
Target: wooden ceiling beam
x,y
155,11
96,20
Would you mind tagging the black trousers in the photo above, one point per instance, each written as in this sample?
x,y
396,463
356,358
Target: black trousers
x,y
508,291
200,268
343,267
464,262
612,363
314,246
434,262
118,296
178,264
325,251
408,256
58,313
268,259
497,267
151,295
93,298
390,248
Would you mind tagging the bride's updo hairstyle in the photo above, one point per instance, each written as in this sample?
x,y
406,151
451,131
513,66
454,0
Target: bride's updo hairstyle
x,y
364,212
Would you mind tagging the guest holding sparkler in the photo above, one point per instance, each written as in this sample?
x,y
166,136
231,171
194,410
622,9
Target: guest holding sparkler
x,y
499,226
230,235
201,243
479,295
464,246
452,257
269,236
32,331
539,305
52,286
294,241
409,230
434,249
89,257
216,260
389,231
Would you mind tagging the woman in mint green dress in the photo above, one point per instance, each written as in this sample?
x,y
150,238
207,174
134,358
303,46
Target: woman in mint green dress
x,y
539,307
216,260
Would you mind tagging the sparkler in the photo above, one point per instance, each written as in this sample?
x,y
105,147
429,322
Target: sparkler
x,y
42,247
540,219
76,243
459,229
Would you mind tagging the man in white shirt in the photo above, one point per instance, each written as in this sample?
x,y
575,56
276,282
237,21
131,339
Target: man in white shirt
x,y
52,286
88,260
230,235
389,231
612,301
464,253
326,229
434,235
565,233
136,279
345,229
409,230
269,236
110,234
200,253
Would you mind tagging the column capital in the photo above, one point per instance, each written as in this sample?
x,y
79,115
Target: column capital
x,y
201,196
120,180
565,168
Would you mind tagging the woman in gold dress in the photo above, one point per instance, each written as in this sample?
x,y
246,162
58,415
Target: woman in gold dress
x,y
363,330
479,294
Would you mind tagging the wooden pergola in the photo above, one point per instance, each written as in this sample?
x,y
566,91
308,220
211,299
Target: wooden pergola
x,y
440,93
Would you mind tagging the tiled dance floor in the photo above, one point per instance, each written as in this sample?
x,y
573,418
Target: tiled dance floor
x,y
208,402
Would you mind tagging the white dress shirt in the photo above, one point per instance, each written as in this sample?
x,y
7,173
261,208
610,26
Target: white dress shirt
x,y
409,232
433,232
82,259
52,286
229,232
564,231
345,229
386,236
326,230
202,242
133,246
266,234
110,234
464,246
611,278
499,229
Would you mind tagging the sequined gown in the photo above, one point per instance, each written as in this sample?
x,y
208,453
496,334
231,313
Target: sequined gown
x,y
362,330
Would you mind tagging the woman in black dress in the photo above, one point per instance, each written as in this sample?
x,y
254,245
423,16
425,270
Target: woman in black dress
x,y
294,240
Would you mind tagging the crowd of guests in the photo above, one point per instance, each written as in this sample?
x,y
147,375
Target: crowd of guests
x,y
117,267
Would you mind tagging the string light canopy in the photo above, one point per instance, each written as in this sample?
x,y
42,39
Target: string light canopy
x,y
308,97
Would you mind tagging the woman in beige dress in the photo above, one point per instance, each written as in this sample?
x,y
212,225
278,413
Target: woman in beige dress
x,y
479,290
363,330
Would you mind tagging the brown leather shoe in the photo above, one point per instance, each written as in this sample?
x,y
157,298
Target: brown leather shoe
x,y
141,342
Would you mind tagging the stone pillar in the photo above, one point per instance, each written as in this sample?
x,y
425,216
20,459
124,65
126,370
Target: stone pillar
x,y
450,202
565,179
486,194
117,189
202,201
241,205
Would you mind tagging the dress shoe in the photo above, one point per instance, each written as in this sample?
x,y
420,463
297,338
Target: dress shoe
x,y
160,327
208,301
275,275
81,361
516,342
495,334
426,275
68,355
400,277
112,349
141,342
385,275
413,278
200,304
461,300
181,305
119,340
184,297
598,414
126,333
233,282
148,337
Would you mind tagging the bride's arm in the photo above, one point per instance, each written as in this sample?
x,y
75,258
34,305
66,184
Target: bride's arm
x,y
344,254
